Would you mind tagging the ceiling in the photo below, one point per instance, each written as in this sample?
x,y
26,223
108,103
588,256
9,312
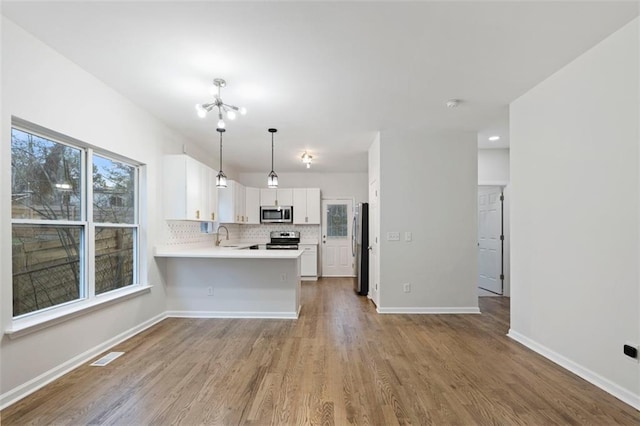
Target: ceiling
x,y
328,75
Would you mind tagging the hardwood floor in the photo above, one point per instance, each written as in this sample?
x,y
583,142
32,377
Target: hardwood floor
x,y
339,363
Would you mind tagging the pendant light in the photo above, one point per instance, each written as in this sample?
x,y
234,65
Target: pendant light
x,y
221,178
272,179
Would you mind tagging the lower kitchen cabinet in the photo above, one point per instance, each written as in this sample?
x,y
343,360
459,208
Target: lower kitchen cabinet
x,y
309,261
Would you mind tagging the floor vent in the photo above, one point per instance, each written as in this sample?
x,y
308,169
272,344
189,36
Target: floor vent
x,y
107,359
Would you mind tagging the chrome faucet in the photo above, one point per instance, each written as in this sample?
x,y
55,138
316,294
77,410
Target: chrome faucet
x,y
218,234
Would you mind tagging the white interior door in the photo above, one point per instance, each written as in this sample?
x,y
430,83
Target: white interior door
x,y
489,242
337,260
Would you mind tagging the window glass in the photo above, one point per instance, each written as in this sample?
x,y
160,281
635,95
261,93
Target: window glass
x,y
46,266
114,189
45,178
337,226
53,221
114,258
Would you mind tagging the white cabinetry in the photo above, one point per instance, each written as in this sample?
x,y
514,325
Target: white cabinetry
x,y
306,206
309,261
252,205
276,197
187,189
231,203
213,197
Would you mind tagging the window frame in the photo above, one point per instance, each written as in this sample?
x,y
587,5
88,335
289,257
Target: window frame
x,y
87,297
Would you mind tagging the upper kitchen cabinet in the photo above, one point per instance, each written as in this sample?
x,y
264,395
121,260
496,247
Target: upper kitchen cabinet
x,y
252,205
306,206
276,197
231,203
186,189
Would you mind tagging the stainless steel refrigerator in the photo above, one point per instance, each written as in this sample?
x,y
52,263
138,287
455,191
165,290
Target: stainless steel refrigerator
x,y
360,247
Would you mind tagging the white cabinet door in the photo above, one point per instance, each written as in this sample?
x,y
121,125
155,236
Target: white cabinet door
x,y
227,205
284,197
313,206
309,260
252,205
213,197
299,205
239,199
306,206
268,197
186,189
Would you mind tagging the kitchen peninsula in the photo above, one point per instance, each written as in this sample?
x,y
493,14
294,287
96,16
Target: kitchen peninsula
x,y
231,282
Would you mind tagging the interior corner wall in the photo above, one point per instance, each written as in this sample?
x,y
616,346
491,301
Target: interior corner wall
x,y
575,215
428,187
41,86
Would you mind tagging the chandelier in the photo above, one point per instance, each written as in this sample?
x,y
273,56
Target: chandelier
x,y
229,110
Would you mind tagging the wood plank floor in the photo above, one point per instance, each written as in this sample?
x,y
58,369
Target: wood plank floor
x,y
340,363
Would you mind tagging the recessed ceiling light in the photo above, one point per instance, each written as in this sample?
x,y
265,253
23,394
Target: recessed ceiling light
x,y
494,138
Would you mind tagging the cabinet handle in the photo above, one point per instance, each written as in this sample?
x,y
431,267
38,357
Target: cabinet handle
x,y
306,218
213,216
197,214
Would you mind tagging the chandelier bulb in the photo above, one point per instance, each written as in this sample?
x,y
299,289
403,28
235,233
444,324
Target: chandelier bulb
x,y
308,165
201,111
221,124
231,114
242,111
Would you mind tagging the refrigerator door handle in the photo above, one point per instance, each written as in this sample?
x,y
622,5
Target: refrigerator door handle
x,y
353,237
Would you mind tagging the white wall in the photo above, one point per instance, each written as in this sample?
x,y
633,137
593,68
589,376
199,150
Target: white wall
x,y
575,215
428,186
330,184
41,86
493,166
374,219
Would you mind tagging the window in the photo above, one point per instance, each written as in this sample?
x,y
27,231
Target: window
x,y
337,221
66,249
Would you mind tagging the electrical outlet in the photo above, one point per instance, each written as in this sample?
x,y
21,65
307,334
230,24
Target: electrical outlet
x,y
631,351
283,277
406,287
393,236
209,291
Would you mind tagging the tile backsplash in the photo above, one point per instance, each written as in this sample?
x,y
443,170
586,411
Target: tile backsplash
x,y
261,232
183,233
187,233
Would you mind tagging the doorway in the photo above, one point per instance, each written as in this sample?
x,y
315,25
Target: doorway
x,y
491,238
337,259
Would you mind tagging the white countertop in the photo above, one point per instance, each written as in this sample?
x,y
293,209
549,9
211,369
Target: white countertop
x,y
238,252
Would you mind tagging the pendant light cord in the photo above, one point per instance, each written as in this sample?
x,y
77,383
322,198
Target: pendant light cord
x,y
220,151
272,151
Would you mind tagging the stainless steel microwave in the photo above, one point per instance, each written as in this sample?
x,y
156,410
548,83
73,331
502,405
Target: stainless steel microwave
x,y
276,214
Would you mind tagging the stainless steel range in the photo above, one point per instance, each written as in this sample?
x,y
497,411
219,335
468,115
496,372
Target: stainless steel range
x,y
284,240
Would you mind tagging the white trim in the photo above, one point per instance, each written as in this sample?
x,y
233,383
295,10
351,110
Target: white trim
x,y
224,314
493,183
400,310
24,390
43,319
606,385
309,278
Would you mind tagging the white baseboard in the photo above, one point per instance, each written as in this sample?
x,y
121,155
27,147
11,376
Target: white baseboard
x,y
309,278
467,310
47,377
222,314
606,385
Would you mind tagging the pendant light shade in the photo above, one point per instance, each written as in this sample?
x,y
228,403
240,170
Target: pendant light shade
x,y
221,178
272,179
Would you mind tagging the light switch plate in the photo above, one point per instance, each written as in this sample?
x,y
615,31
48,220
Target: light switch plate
x,y
408,236
393,236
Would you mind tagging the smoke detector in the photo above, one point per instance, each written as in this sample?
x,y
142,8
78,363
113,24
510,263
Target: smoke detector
x,y
453,103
